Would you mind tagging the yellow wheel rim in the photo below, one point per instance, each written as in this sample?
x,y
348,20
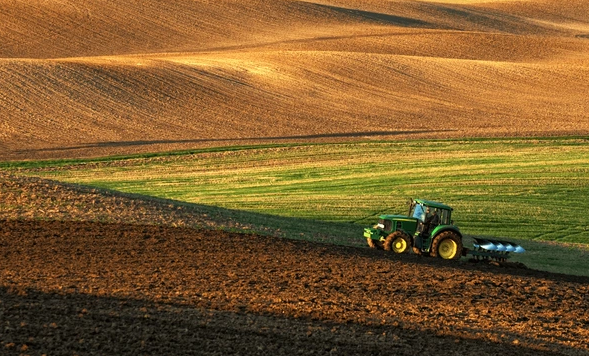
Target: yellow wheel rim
x,y
399,245
448,249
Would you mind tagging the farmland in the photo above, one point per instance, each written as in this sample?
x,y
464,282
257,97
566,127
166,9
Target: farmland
x,y
123,289
528,189
193,177
81,80
519,189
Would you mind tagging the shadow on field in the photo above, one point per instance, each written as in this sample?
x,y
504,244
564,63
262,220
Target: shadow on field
x,y
38,323
370,16
142,211
472,18
111,144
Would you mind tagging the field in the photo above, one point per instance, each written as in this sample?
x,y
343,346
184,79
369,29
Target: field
x,y
192,177
532,189
128,289
81,79
528,189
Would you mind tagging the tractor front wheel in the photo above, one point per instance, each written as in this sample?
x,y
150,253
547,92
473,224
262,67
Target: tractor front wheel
x,y
374,244
447,245
398,242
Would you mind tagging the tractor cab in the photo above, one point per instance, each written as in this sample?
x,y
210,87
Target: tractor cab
x,y
429,215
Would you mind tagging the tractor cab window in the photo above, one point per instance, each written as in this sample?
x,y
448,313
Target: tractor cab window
x,y
385,225
417,211
432,219
444,217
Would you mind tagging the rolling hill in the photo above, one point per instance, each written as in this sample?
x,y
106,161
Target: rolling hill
x,y
89,78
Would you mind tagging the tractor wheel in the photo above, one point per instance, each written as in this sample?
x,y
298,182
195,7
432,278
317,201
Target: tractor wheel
x,y
397,242
447,245
374,244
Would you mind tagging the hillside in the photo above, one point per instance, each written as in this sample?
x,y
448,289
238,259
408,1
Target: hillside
x,y
89,78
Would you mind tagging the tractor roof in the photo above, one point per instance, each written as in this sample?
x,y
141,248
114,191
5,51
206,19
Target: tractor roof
x,y
433,204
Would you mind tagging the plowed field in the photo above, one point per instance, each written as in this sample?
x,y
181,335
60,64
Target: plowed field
x,y
91,78
95,288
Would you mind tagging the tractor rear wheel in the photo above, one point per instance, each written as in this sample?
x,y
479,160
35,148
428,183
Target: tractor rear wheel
x,y
447,245
398,242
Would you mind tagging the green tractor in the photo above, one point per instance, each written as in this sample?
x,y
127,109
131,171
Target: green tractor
x,y
428,230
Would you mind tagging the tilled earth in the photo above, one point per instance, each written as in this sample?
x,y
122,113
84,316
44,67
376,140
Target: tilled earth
x,y
89,78
95,288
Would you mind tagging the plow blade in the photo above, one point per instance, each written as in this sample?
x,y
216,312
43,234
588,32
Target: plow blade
x,y
496,245
485,245
496,249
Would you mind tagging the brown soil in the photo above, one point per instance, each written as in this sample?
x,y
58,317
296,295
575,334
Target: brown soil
x,y
96,288
120,274
32,198
89,78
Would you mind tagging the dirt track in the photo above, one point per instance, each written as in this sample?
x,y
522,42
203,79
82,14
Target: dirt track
x,y
93,288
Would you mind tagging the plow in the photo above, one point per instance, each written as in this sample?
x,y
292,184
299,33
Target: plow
x,y
429,230
493,249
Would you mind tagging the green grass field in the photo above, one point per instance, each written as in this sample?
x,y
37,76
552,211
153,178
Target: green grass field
x,y
519,189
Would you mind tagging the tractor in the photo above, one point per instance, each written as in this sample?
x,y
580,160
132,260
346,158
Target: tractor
x,y
429,230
